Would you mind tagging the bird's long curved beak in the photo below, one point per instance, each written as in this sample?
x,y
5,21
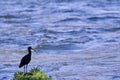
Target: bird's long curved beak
x,y
34,50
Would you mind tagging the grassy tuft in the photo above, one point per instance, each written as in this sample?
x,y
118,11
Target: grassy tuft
x,y
34,74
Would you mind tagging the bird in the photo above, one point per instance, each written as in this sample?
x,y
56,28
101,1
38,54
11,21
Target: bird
x,y
26,59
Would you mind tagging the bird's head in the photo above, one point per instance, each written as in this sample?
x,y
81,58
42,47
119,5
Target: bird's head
x,y
29,48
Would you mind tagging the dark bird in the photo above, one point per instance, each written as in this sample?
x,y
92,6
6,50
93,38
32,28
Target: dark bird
x,y
26,59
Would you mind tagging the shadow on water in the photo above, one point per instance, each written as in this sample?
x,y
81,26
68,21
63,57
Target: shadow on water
x,y
116,77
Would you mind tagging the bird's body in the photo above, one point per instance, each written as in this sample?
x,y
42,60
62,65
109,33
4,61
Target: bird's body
x,y
26,59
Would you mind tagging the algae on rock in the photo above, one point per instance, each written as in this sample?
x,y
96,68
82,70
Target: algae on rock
x,y
34,74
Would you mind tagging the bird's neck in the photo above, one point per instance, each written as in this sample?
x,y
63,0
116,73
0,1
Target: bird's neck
x,y
29,52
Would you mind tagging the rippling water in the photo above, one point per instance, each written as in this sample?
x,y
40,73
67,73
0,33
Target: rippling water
x,y
58,26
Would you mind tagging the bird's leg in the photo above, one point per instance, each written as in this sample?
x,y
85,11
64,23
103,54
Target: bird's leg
x,y
26,68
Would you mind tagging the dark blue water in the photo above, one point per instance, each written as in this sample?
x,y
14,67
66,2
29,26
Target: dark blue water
x,y
58,25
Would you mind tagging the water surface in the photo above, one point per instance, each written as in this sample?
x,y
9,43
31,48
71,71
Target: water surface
x,y
75,35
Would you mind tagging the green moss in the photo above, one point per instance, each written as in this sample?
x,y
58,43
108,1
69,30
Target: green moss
x,y
34,74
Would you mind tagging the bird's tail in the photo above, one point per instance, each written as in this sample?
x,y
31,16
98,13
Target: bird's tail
x,y
20,66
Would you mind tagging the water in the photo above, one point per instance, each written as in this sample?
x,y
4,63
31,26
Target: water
x,y
66,29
